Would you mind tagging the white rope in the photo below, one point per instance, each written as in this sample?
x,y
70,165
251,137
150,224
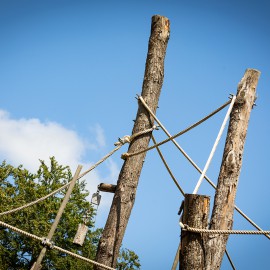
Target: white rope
x,y
198,168
214,146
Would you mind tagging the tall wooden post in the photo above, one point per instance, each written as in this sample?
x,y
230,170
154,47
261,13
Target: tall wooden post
x,y
222,214
123,201
196,212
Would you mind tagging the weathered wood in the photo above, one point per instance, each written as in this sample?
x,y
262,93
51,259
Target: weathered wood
x,y
222,215
80,235
124,197
107,187
196,212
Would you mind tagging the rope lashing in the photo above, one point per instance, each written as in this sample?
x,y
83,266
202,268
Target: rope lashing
x,y
214,146
45,241
181,132
129,139
185,227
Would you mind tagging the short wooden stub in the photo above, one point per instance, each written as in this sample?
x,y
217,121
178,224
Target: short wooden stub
x,y
196,212
107,187
80,235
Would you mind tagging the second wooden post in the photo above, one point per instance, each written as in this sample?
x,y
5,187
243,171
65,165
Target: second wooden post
x,y
196,212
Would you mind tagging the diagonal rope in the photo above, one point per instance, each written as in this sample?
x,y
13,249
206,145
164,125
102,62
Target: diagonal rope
x,y
175,263
179,133
176,259
41,239
198,168
168,168
214,146
63,187
230,260
125,139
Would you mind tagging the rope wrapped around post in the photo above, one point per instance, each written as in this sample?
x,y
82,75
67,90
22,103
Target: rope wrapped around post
x,y
185,227
129,139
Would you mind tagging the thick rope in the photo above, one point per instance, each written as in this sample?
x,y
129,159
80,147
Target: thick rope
x,y
214,146
43,240
185,227
126,155
200,171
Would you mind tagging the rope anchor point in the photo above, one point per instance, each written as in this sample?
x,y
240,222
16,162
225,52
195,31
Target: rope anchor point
x,y
47,243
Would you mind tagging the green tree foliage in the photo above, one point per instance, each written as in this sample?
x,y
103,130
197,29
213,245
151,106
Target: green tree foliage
x,y
128,260
18,187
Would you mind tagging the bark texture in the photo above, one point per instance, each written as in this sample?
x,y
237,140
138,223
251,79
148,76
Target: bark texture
x,y
196,212
222,215
107,187
123,201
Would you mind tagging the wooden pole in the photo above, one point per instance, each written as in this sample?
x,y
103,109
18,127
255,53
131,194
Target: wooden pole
x,y
37,264
196,212
124,197
222,215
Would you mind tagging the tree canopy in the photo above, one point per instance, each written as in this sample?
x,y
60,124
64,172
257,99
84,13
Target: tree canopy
x,y
19,187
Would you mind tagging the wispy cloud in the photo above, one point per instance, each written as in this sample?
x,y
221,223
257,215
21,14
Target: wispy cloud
x,y
100,137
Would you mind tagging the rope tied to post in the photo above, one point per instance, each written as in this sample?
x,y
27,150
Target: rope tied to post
x,y
47,243
185,227
128,139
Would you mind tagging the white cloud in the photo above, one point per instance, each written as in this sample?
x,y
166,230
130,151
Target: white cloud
x,y
25,141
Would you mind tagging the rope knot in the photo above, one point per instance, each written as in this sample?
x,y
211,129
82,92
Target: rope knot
x,y
124,140
46,242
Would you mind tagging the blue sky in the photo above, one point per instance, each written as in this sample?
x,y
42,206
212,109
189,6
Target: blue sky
x,y
70,70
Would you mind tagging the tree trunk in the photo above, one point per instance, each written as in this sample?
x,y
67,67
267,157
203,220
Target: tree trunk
x,y
110,242
196,212
222,215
